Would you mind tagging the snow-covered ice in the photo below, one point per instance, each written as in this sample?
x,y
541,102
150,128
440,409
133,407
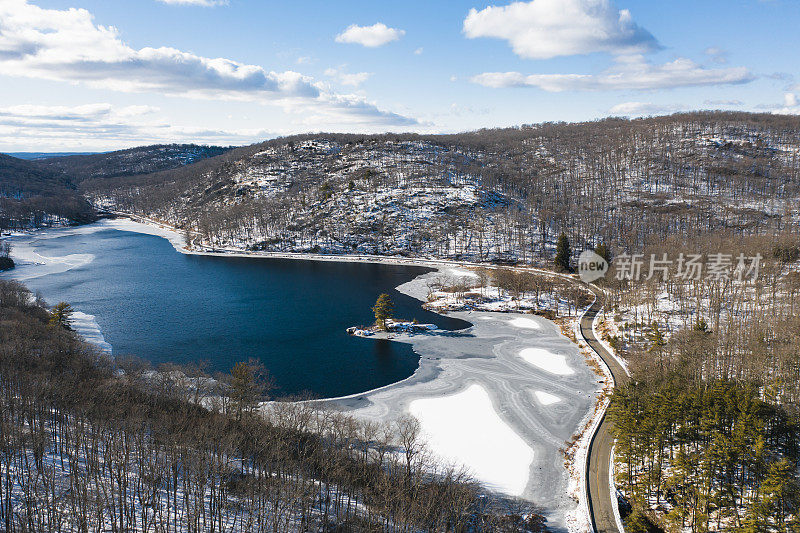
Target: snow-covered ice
x,y
545,398
546,360
31,264
465,429
86,326
525,323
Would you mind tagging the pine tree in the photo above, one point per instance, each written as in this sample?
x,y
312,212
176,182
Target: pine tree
x,y
249,381
60,315
778,499
656,338
563,253
6,263
383,310
603,251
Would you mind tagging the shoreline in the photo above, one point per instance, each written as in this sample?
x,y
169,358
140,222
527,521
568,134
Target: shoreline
x,y
434,378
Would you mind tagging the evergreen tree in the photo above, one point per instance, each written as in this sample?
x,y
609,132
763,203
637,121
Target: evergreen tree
x,y
656,338
6,263
603,251
60,315
701,325
778,499
249,382
563,253
383,310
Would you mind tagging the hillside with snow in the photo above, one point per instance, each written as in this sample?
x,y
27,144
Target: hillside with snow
x,y
488,195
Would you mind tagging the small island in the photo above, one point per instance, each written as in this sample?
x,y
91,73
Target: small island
x,y
384,323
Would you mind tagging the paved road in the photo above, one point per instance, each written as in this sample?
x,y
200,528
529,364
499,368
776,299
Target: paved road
x,y
597,475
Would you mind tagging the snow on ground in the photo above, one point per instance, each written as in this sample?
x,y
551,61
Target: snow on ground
x,y
547,361
545,398
31,264
526,323
153,228
459,273
465,429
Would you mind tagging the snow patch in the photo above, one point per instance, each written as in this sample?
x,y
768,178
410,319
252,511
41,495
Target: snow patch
x,y
30,264
461,273
175,238
546,360
465,429
545,398
525,323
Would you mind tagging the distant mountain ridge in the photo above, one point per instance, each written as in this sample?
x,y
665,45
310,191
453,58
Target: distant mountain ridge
x,y
493,194
132,161
43,188
33,156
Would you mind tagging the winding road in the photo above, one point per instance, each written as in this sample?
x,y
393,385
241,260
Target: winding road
x,y
598,483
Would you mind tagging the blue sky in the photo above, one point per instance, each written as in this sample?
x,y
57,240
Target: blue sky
x,y
98,75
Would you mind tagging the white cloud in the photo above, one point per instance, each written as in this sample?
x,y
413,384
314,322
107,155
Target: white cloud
x,y
542,29
418,51
66,45
628,73
373,36
791,105
101,126
635,109
204,3
346,78
723,102
717,55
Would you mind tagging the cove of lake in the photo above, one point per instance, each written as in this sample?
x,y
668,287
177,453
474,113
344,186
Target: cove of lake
x,y
163,306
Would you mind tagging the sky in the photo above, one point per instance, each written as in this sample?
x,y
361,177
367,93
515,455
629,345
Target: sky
x,y
96,75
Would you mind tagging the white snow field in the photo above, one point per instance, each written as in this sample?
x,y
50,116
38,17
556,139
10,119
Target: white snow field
x,y
525,323
545,398
465,429
546,360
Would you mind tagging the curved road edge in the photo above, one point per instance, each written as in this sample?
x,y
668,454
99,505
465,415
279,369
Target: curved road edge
x,y
598,472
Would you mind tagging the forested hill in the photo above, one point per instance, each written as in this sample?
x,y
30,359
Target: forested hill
x,y
490,194
44,190
140,160
35,196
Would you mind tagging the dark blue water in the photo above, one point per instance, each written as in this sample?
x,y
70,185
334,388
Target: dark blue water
x,y
155,303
